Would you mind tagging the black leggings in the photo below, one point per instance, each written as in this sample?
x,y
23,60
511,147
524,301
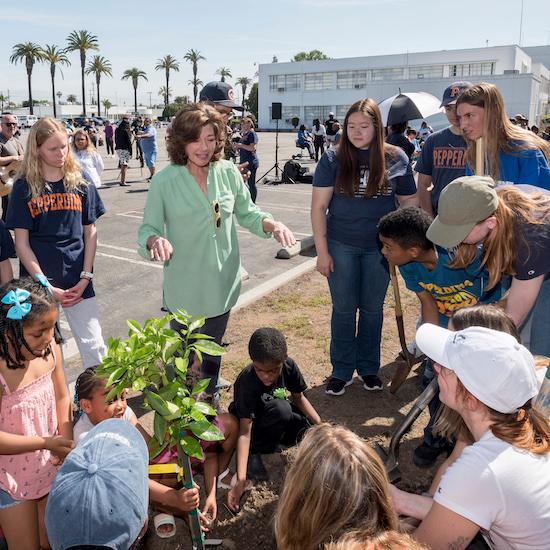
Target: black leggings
x,y
319,144
210,367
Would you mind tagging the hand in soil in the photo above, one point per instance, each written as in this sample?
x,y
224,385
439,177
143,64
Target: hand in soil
x,y
235,494
210,510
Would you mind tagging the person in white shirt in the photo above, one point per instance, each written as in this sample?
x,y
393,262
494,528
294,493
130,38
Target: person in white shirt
x,y
499,487
88,158
319,133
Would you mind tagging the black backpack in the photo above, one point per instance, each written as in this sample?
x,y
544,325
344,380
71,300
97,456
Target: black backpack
x,y
292,172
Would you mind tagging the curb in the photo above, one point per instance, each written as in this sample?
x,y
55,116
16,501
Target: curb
x,y
264,289
291,251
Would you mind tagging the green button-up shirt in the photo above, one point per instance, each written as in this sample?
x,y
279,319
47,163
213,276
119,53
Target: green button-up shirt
x,y
203,275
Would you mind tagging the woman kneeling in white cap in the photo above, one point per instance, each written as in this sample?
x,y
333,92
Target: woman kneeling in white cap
x,y
500,485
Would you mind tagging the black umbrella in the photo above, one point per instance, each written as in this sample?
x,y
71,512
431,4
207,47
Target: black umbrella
x,y
408,106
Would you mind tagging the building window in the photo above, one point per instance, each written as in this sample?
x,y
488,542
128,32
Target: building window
x,y
346,80
472,69
426,71
318,81
284,82
288,113
311,112
544,85
341,111
387,74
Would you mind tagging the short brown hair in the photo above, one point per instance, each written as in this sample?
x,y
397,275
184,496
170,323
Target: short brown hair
x,y
186,128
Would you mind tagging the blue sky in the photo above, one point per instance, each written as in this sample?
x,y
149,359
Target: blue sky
x,y
239,33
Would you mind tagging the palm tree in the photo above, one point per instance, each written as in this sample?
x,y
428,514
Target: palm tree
x,y
71,98
168,63
82,41
98,65
165,93
194,56
30,53
3,99
53,55
244,82
107,105
135,74
223,72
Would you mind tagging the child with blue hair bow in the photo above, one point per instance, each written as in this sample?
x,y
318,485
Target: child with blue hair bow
x,y
35,409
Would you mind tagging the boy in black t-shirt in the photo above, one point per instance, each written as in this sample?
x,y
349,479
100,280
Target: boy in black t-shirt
x,y
266,418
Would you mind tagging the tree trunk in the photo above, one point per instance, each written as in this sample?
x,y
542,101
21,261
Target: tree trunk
x,y
31,111
167,84
97,79
52,73
82,65
135,100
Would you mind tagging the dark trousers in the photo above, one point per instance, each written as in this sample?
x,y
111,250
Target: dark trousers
x,y
319,144
277,421
210,367
5,202
110,146
252,182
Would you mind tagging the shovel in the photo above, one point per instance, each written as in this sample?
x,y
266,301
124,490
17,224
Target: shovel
x,y
390,458
403,369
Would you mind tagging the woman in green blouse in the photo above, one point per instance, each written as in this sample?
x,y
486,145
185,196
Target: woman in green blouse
x,y
188,224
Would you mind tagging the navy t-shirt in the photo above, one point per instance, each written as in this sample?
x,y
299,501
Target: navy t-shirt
x,y
7,250
354,220
250,391
451,289
443,157
55,221
248,156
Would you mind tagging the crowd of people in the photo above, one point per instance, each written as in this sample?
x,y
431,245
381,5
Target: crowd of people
x,y
475,249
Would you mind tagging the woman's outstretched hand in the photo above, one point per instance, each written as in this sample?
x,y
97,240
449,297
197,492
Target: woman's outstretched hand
x,y
160,248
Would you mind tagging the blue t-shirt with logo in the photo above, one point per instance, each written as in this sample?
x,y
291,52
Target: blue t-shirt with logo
x,y
249,138
443,157
55,221
354,220
522,166
7,250
451,289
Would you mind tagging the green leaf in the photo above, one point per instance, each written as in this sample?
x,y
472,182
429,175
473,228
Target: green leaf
x,y
204,408
157,403
139,384
155,449
116,390
134,326
169,392
191,447
197,415
200,386
115,376
174,411
206,431
208,347
159,427
197,323
181,364
199,336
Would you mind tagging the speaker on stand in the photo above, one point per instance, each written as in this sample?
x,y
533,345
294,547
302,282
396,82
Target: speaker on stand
x,y
276,115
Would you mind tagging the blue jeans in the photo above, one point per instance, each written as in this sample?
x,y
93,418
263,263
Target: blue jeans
x,y
539,341
359,283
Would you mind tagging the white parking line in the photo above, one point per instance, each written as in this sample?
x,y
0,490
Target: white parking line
x,y
119,248
280,189
130,216
130,261
283,207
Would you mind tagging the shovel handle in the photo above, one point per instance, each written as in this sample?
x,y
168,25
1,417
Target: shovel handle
x,y
396,292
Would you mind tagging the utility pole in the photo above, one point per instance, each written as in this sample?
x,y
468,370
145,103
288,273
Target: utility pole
x,y
150,105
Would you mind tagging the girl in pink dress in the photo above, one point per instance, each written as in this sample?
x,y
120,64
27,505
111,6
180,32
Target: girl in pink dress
x,y
35,410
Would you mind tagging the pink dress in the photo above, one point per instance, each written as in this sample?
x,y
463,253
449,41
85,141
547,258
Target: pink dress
x,y
29,410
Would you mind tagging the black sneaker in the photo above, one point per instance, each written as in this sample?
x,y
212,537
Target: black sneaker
x,y
425,455
371,382
336,386
256,468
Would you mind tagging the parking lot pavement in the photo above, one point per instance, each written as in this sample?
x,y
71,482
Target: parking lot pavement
x,y
129,287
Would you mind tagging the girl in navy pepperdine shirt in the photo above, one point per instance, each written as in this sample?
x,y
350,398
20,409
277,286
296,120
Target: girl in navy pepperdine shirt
x,y
53,211
354,186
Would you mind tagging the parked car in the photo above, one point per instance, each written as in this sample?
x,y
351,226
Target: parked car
x,y
26,121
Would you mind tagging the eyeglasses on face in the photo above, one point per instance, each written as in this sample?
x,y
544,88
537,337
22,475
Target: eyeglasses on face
x,y
12,124
217,213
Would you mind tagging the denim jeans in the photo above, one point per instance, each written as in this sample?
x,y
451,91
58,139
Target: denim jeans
x,y
358,284
538,341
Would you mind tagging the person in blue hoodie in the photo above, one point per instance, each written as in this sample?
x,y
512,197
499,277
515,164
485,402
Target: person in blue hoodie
x,y
512,154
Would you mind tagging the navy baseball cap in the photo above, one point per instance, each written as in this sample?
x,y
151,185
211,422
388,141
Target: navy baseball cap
x,y
100,495
451,93
220,93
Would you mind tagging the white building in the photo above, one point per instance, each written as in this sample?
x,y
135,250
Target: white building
x,y
310,89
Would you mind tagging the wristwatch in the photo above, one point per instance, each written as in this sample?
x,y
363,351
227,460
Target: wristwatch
x,y
86,275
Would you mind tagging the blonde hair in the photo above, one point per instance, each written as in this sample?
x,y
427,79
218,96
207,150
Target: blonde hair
x,y
31,168
499,133
335,483
499,247
388,540
89,146
448,422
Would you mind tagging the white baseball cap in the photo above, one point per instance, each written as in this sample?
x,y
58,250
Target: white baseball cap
x,y
491,365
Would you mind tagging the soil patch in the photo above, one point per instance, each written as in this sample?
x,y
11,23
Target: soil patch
x,y
301,310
